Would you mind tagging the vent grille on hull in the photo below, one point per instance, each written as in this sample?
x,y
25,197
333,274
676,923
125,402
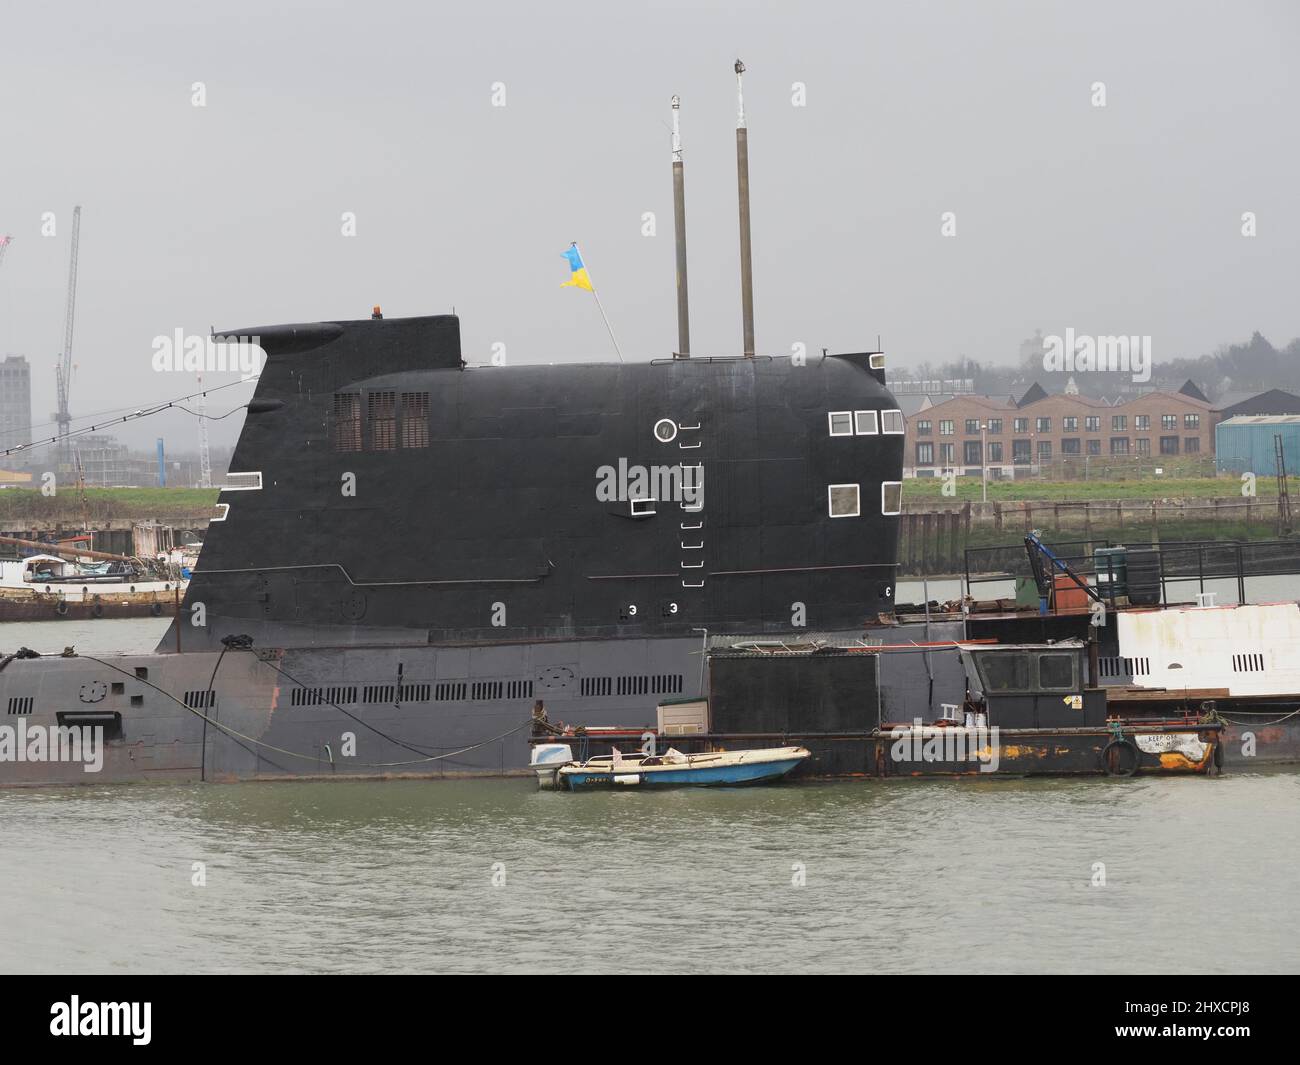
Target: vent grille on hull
x,y
633,684
1124,667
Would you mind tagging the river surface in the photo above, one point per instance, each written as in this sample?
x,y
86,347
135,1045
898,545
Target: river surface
x,y
495,875
1164,875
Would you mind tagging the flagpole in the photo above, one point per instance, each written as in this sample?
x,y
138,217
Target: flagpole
x,y
600,307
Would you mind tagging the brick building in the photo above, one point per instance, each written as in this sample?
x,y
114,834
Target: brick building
x,y
1045,430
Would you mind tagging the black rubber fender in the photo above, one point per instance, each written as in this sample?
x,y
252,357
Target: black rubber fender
x,y
97,611
156,610
61,608
1105,759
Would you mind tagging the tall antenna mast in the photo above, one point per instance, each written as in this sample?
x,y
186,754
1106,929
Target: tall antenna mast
x,y
742,186
679,227
205,458
63,371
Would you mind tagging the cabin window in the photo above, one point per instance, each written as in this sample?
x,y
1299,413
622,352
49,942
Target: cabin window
x,y
891,497
843,500
865,422
841,422
381,412
1056,672
347,421
1005,672
643,507
415,419
891,421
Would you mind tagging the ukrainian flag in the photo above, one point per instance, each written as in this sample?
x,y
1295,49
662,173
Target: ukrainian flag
x,y
578,278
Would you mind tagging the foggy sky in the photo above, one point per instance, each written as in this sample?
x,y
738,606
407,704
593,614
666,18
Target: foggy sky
x,y
1117,220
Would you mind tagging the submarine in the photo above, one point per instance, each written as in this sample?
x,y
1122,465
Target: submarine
x,y
410,552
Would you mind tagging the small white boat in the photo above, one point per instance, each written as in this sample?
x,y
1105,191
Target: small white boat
x,y
670,769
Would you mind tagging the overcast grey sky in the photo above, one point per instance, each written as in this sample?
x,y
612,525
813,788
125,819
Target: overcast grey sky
x,y
1117,219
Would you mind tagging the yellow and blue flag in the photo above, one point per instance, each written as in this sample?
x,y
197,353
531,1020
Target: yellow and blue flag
x,y
578,278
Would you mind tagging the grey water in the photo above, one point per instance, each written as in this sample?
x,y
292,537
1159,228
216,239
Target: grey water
x,y
1094,876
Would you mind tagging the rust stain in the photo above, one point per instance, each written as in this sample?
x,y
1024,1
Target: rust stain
x,y
1177,761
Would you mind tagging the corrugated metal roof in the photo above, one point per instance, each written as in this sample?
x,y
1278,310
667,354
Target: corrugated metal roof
x,y
1262,419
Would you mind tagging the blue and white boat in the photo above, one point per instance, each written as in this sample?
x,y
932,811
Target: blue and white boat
x,y
675,769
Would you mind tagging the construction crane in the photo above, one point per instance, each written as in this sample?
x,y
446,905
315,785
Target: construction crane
x,y
63,371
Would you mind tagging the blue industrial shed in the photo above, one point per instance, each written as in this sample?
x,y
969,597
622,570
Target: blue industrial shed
x,y
1246,444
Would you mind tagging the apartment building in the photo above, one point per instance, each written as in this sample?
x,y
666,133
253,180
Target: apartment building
x,y
1040,429
15,403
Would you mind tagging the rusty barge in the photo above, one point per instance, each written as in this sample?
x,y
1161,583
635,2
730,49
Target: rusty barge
x,y
1028,710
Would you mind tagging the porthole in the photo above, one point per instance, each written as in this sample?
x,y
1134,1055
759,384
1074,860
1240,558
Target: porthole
x,y
665,430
